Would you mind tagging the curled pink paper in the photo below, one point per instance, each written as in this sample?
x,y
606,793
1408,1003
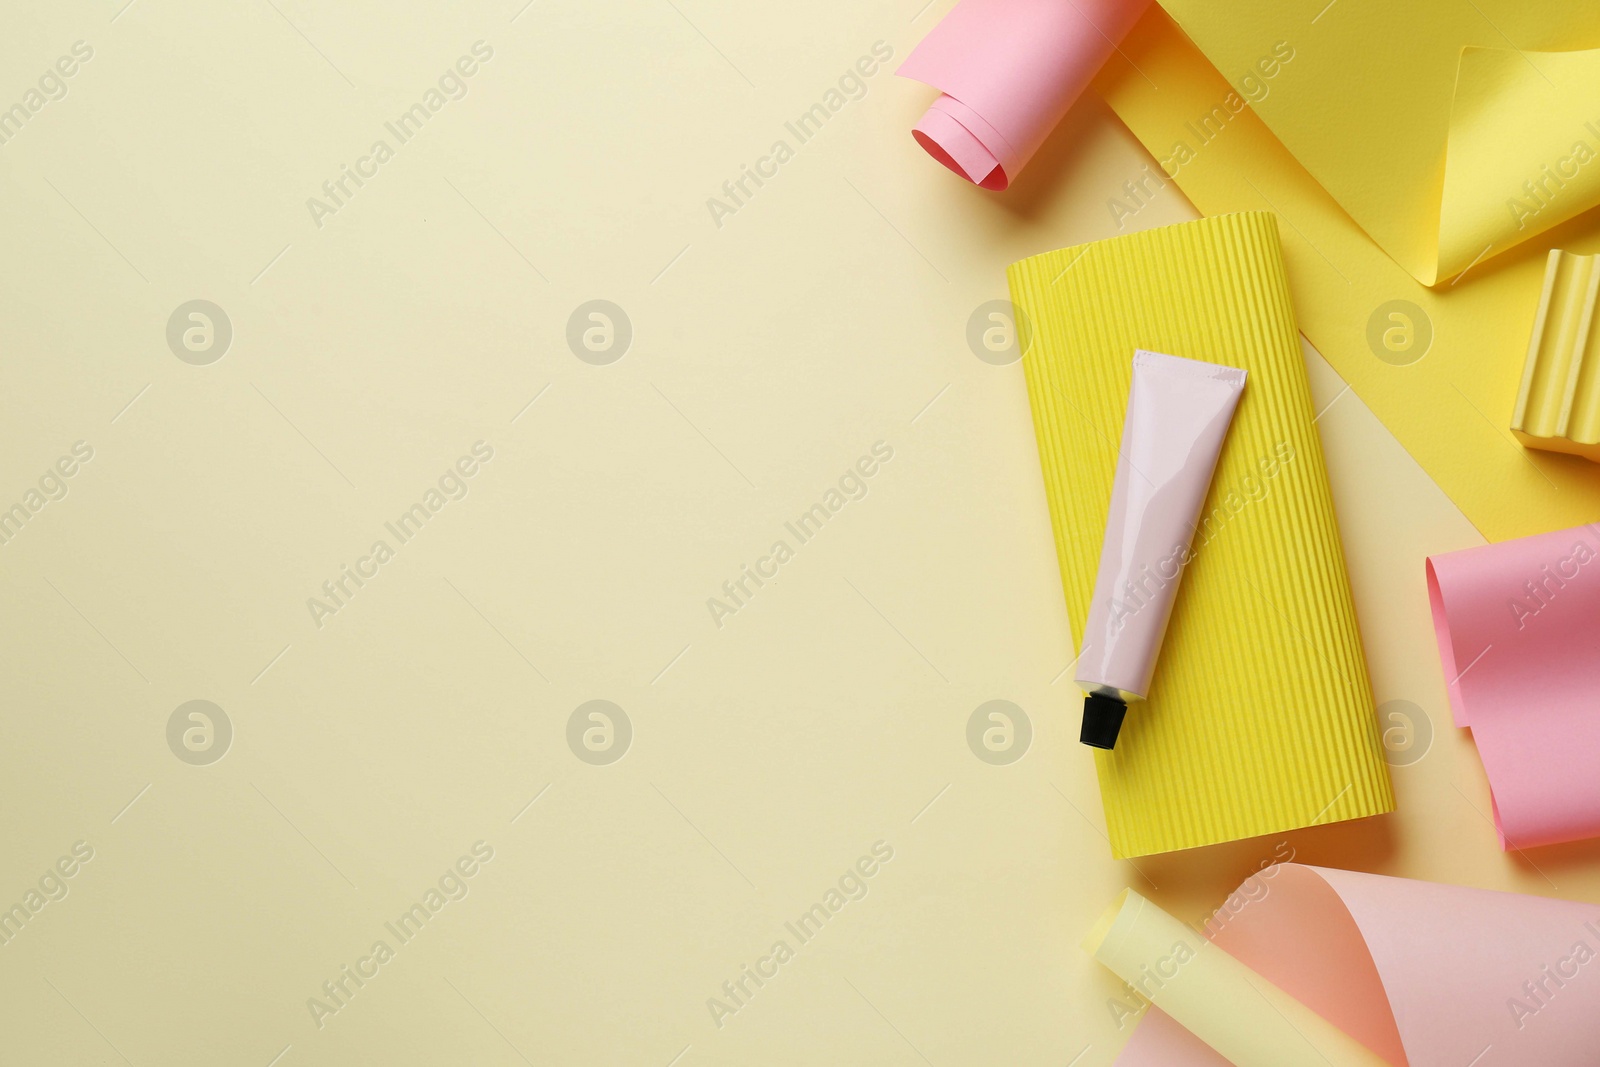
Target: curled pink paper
x,y
1008,70
1423,974
1518,625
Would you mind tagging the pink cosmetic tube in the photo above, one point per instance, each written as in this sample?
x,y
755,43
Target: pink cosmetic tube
x,y
1178,413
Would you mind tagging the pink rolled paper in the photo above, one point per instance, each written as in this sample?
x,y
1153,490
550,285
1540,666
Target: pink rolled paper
x,y
1518,625
1422,974
1007,71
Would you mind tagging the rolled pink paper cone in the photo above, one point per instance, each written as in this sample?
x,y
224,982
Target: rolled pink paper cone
x,y
1008,70
1420,973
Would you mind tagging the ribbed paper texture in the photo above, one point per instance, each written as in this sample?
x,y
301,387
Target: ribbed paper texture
x,y
1558,405
1260,717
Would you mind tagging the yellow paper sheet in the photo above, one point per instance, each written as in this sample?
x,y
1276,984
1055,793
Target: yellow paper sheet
x,y
1441,366
1238,1013
1422,119
1260,717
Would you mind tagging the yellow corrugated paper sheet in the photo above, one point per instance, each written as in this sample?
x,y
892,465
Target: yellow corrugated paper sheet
x,y
1440,367
1260,717
1558,406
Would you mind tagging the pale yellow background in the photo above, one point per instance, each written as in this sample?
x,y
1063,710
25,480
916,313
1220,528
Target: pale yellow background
x,y
768,354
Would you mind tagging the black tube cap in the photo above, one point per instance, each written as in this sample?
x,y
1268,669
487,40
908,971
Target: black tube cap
x,y
1102,720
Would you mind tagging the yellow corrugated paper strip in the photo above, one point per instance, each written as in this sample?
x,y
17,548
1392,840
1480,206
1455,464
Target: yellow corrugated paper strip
x,y
1558,406
1260,717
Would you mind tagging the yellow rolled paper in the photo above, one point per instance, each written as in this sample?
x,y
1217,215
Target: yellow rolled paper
x,y
1241,1015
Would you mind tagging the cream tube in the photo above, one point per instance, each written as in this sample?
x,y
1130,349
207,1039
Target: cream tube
x,y
1178,414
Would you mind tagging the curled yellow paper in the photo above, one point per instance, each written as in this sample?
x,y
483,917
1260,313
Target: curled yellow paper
x,y
1440,366
1450,132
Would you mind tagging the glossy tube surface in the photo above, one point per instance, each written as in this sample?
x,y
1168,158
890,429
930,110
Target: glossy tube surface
x,y
1178,414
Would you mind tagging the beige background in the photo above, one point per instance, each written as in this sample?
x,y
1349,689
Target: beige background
x,y
768,354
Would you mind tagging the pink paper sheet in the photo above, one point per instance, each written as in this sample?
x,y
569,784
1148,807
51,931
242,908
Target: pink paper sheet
x,y
1422,974
1519,638
1008,70
1161,1041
